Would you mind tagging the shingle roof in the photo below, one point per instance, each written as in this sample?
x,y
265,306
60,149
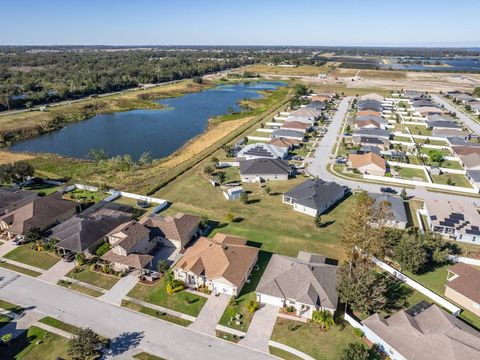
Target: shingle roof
x,y
317,105
379,133
302,279
288,134
364,123
369,105
178,227
360,160
130,232
369,140
431,334
137,261
215,259
396,205
467,283
284,142
376,118
443,124
296,125
11,199
265,167
471,161
263,150
306,112
369,112
315,194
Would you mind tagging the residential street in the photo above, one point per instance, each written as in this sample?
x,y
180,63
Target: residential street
x,y
471,124
126,328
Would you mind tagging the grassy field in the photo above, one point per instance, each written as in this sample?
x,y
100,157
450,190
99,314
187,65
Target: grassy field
x,y
157,294
265,220
37,344
81,289
40,259
420,130
402,138
85,195
84,274
457,180
246,295
5,305
155,313
409,173
431,142
19,269
303,70
310,339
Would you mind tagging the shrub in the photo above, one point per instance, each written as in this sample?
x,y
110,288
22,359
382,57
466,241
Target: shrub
x,y
102,249
80,259
175,286
253,306
358,332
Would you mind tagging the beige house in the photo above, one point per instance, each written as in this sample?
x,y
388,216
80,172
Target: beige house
x,y
463,287
41,213
222,264
131,243
368,164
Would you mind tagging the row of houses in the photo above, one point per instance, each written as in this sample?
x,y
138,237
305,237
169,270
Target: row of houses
x,y
467,99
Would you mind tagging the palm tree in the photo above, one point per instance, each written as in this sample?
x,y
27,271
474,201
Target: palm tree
x,y
324,318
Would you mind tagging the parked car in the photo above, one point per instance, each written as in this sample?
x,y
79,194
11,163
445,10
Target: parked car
x,y
388,190
19,240
69,257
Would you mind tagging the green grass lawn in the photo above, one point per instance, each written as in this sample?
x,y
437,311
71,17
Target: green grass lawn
x,y
157,294
86,195
402,138
310,339
155,313
146,356
79,288
19,269
37,344
457,180
246,295
419,130
444,152
84,274
448,164
43,188
282,354
5,305
431,142
265,219
409,173
40,259
59,324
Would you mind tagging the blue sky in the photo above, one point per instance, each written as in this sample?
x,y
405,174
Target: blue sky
x,y
244,22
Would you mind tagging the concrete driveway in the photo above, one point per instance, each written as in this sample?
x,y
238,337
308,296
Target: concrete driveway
x,y
57,271
6,247
123,286
128,329
261,328
211,313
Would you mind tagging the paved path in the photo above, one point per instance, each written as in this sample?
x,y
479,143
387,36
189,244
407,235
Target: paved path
x,y
57,271
470,123
123,286
6,247
54,330
261,328
210,314
289,349
123,326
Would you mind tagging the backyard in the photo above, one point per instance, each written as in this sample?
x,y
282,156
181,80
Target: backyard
x,y
455,180
413,174
40,259
157,294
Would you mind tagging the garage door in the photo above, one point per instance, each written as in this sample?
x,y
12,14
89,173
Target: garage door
x,y
267,299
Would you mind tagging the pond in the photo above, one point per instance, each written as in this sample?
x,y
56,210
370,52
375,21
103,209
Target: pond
x,y
160,132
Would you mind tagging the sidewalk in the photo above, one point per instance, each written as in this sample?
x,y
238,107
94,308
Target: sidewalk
x,y
6,247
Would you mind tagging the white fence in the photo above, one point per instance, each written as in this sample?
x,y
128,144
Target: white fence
x,y
454,258
258,138
374,338
455,310
224,164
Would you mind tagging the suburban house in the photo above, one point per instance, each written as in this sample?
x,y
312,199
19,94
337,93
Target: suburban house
x,y
87,230
317,105
437,132
443,125
371,141
222,264
41,213
422,103
423,332
264,169
397,207
261,150
305,120
304,284
473,177
463,286
288,134
368,164
366,124
369,113
284,142
131,244
176,231
372,96
475,106
296,126
471,161
373,105
457,219
429,110
464,98
373,133
378,119
12,199
305,112
315,196
442,117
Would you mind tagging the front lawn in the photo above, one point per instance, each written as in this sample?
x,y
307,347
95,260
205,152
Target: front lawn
x,y
157,294
40,259
19,269
36,344
84,274
310,339
246,295
455,180
412,174
155,313
282,354
50,321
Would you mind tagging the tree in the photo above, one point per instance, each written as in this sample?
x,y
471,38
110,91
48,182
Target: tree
x,y
244,198
355,351
162,266
229,218
21,171
476,92
6,338
214,161
267,190
86,343
411,254
208,169
301,90
198,80
220,177
324,318
97,154
203,221
435,156
361,288
6,173
318,221
33,234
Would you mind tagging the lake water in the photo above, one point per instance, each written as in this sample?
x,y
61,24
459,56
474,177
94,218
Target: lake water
x,y
454,64
160,132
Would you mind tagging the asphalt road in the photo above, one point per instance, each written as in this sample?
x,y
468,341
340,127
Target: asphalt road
x,y
471,124
126,328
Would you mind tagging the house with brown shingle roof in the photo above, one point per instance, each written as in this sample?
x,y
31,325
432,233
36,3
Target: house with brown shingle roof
x,y
284,142
41,213
366,124
296,126
175,231
463,286
368,113
222,264
131,244
368,164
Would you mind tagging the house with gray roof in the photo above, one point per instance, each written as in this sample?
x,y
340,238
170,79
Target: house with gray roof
x,y
258,170
315,196
317,105
304,284
262,150
11,198
369,105
424,331
443,125
288,134
373,133
399,218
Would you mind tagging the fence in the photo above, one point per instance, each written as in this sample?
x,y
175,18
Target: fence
x,y
456,259
224,164
455,310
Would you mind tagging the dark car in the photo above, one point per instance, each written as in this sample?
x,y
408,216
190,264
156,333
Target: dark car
x,y
69,257
388,190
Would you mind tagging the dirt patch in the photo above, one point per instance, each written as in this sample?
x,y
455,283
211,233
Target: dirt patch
x,y
8,157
